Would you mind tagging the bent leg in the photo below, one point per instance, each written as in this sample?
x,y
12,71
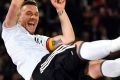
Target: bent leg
x,y
93,69
97,49
111,68
107,68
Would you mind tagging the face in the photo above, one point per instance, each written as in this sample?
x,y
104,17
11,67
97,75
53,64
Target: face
x,y
29,17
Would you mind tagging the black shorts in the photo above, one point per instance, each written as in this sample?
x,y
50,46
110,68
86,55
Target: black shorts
x,y
66,65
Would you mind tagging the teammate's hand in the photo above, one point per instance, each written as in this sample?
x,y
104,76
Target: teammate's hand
x,y
58,4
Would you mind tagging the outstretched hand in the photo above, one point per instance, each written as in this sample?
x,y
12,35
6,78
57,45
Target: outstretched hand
x,y
58,4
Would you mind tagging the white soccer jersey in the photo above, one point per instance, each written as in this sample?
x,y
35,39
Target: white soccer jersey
x,y
26,50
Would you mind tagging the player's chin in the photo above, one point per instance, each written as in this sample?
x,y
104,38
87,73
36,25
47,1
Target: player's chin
x,y
31,32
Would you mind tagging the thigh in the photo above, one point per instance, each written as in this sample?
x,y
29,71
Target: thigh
x,y
64,66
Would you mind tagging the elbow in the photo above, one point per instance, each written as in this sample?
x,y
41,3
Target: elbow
x,y
70,40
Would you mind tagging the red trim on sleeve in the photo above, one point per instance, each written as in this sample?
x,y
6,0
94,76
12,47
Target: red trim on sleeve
x,y
47,44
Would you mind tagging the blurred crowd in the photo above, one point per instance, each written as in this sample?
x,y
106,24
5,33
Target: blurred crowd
x,y
91,19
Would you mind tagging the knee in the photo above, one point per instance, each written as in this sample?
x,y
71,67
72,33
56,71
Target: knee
x,y
78,44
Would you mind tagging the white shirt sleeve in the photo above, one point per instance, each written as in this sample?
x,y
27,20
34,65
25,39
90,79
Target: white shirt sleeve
x,y
41,40
111,68
7,33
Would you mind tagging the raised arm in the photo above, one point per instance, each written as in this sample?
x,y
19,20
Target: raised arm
x,y
67,30
13,12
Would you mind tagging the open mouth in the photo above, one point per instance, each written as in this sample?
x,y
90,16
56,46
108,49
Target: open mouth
x,y
31,24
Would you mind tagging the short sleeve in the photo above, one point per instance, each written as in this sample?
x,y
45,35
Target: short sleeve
x,y
7,33
41,40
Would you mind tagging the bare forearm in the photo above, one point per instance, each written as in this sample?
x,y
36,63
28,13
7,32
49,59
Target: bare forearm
x,y
67,30
13,12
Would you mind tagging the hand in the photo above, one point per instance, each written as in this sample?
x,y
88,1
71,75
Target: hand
x,y
94,69
59,4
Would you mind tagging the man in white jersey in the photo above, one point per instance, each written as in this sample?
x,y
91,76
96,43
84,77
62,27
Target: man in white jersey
x,y
25,48
31,52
